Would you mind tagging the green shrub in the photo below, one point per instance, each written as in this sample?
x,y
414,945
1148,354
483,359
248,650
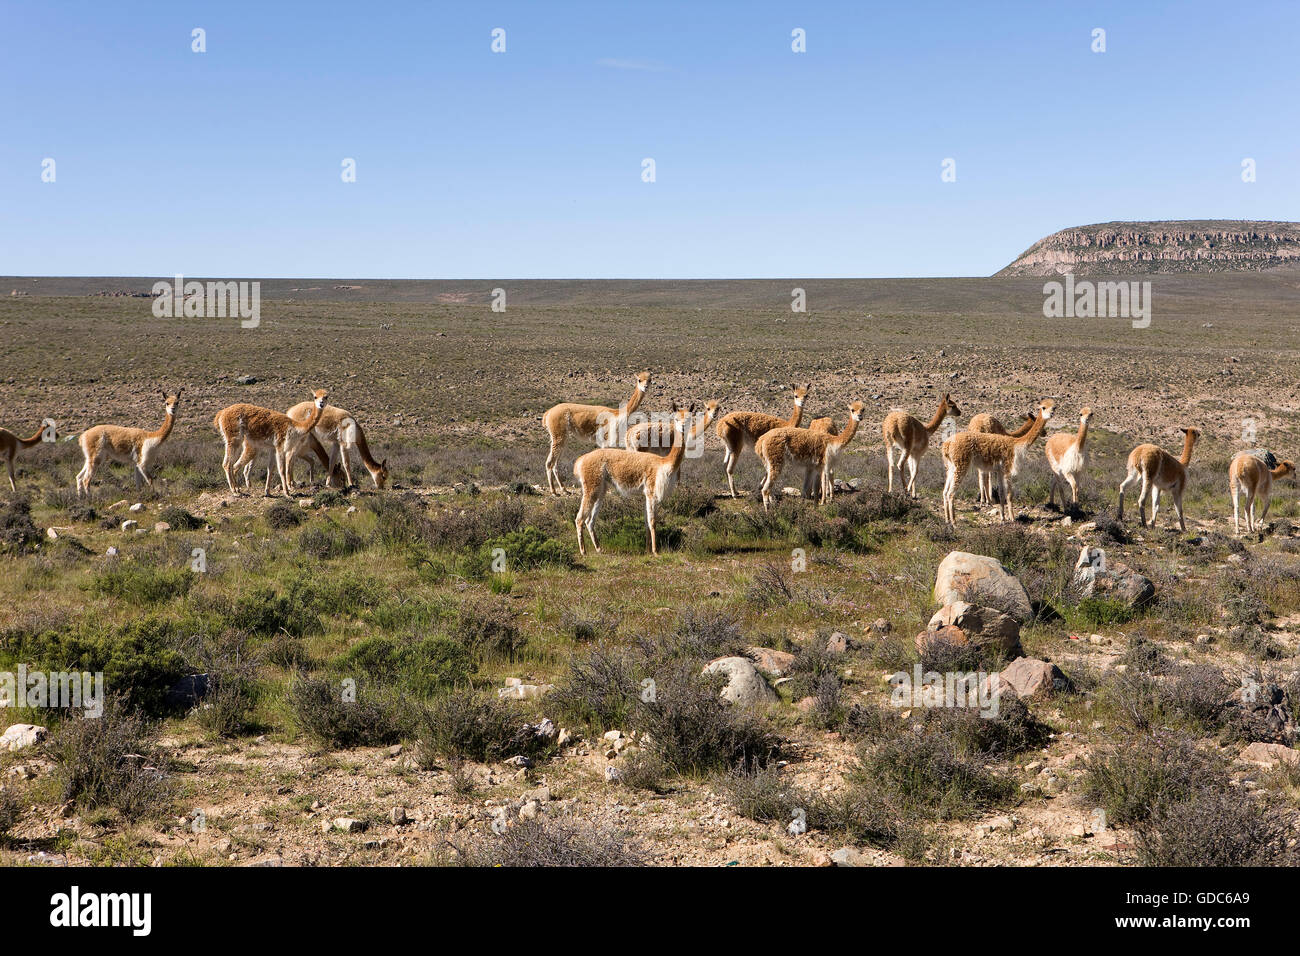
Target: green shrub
x,y
282,515
1216,826
421,666
489,628
330,541
556,843
599,689
11,810
929,773
18,535
693,731
326,713
1132,781
180,519
142,583
139,659
467,725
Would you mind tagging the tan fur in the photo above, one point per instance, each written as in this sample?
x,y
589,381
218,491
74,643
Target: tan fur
x,y
911,438
630,472
1159,471
9,445
337,433
255,428
814,452
600,423
998,456
987,424
119,443
1249,477
1067,456
741,430
658,436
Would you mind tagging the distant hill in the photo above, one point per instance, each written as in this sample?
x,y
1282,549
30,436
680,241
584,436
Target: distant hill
x,y
1178,246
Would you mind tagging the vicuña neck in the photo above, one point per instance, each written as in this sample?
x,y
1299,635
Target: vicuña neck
x,y
166,429
1036,429
364,449
309,424
939,414
1083,433
797,415
1279,472
842,439
1188,441
29,442
674,456
633,403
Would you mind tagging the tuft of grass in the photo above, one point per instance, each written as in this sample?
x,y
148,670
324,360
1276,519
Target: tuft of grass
x,y
556,842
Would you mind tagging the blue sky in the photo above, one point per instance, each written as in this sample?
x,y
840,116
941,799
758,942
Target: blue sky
x,y
527,164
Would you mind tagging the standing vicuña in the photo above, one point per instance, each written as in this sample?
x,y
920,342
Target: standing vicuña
x,y
741,430
987,424
1251,476
254,428
119,443
910,438
812,451
9,445
998,456
1159,471
1067,456
657,436
629,472
339,432
606,425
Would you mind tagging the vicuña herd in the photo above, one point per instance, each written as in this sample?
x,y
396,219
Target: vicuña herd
x,y
644,457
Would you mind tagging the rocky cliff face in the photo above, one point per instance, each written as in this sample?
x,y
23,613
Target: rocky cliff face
x,y
1123,248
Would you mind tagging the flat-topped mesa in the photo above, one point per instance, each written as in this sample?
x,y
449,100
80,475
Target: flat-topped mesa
x,y
1161,247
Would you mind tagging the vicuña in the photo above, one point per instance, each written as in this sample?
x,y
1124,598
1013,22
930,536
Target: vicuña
x,y
599,422
120,443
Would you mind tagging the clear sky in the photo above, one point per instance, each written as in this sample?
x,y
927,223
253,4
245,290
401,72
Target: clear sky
x,y
528,163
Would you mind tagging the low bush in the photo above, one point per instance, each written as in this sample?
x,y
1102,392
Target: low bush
x,y
327,712
420,666
693,731
110,761
1135,780
468,725
547,842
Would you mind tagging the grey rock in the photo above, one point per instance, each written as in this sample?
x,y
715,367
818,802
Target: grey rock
x,y
979,579
745,685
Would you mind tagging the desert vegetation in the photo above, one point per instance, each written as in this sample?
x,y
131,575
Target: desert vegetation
x,y
431,672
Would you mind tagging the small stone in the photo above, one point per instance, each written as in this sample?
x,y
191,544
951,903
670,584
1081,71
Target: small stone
x,y
130,525
612,775
349,825
528,811
51,534
161,527
837,643
137,507
519,762
19,736
397,816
